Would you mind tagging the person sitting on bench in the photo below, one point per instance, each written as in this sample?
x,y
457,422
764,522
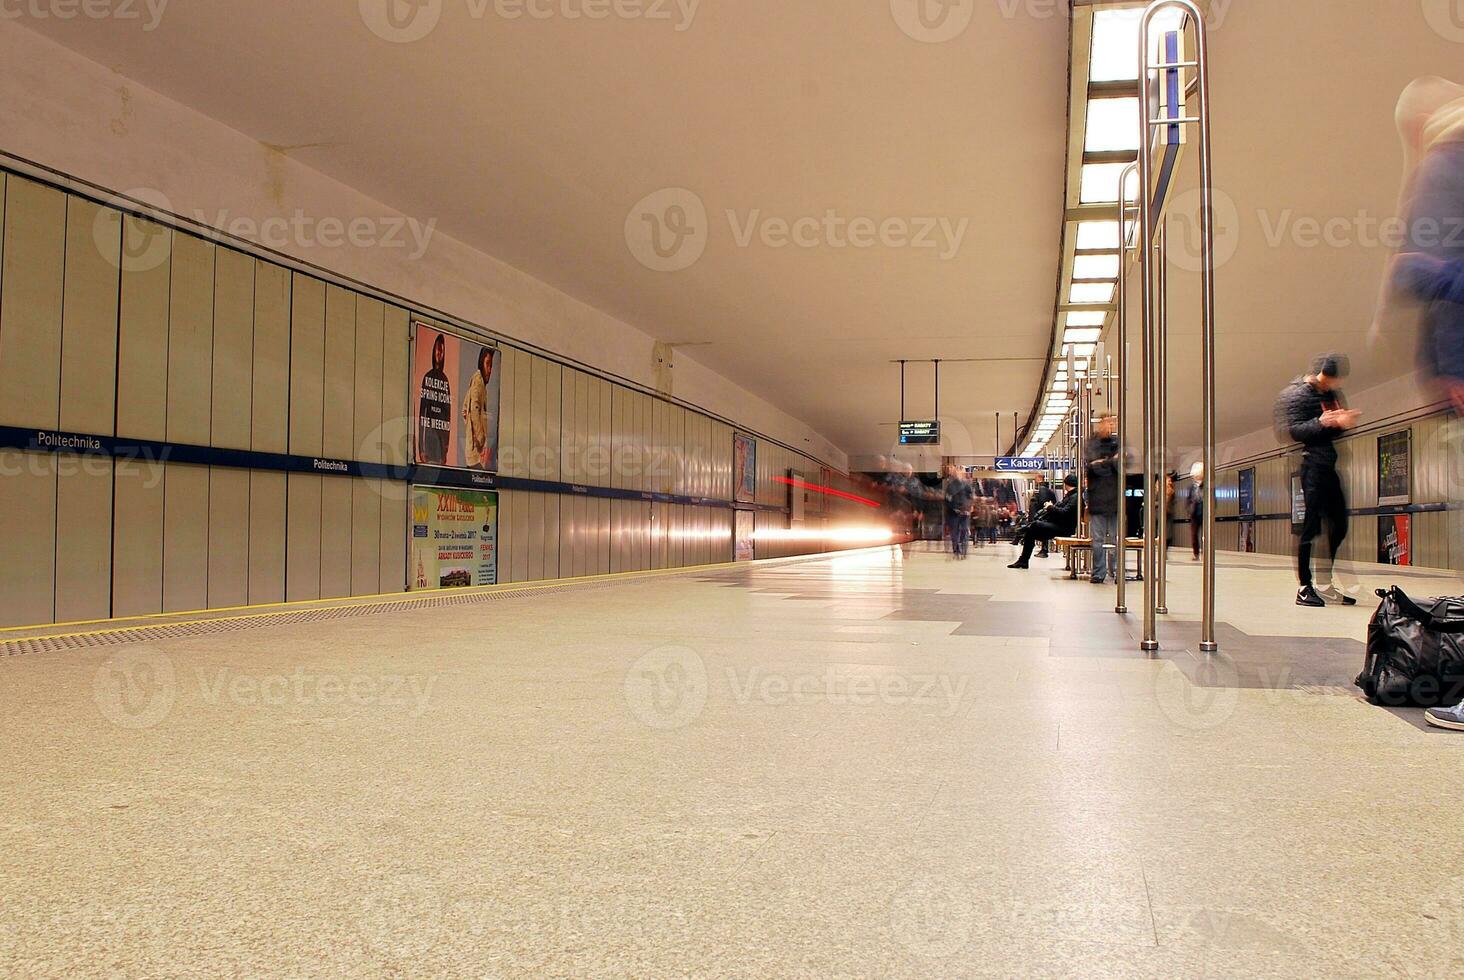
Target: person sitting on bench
x,y
1055,521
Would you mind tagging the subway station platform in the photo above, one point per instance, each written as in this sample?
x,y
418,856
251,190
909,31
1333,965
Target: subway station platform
x,y
857,765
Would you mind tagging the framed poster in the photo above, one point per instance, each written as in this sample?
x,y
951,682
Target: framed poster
x,y
1246,491
745,548
1395,468
455,386
797,496
744,468
1298,503
1248,537
1395,539
454,538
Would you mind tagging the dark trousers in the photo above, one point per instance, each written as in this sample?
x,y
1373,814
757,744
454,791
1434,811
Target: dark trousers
x,y
1197,533
1326,505
1040,531
958,530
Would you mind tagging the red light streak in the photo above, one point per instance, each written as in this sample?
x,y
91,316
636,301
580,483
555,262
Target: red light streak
x,y
828,491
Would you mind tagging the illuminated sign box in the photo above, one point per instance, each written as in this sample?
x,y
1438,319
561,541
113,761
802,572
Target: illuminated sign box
x,y
919,433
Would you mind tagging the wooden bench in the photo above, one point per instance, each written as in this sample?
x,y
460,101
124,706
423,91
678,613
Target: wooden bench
x,y
1076,553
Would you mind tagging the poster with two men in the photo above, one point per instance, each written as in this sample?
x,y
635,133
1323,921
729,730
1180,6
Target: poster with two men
x,y
456,384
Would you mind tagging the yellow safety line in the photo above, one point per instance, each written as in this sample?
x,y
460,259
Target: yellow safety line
x,y
348,602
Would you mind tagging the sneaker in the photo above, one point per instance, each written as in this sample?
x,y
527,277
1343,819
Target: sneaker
x,y
1333,594
1450,718
1307,596
1097,580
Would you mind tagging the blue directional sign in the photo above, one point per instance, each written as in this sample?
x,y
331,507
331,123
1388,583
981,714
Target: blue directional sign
x,y
1020,464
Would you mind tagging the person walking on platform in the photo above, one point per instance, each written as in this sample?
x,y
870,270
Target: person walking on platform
x,y
1312,411
900,498
1426,281
1194,505
1053,521
959,500
1103,461
1042,496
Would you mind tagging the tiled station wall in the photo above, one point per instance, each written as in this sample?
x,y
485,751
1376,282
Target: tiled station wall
x,y
1357,465
115,325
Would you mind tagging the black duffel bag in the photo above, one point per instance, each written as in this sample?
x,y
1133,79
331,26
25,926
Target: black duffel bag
x,y
1415,653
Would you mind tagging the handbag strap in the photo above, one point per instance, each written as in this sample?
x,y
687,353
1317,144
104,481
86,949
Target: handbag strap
x,y
1425,617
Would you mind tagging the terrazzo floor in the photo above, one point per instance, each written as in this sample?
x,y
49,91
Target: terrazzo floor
x,y
860,766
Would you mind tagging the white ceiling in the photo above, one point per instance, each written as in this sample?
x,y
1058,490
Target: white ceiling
x,y
533,139
1304,96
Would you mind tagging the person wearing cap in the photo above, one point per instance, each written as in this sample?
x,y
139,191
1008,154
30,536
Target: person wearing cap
x,y
1054,521
1312,411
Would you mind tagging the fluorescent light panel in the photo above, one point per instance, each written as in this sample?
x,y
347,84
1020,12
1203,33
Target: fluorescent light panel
x,y
1113,124
1099,182
1091,292
1095,267
1098,235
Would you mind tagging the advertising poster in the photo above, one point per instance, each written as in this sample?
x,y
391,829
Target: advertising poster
x,y
1395,468
1247,492
455,386
1248,537
454,538
746,530
744,468
1395,544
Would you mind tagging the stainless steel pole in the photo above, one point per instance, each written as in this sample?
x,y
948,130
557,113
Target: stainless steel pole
x,y
1201,64
1120,389
1077,456
1208,643
1150,642
1161,413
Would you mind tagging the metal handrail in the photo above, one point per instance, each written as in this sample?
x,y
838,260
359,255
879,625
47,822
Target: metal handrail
x,y
1152,308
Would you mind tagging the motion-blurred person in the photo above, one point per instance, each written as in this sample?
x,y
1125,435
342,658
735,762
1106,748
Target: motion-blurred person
x,y
1170,480
1427,282
1427,278
1312,411
1194,505
906,496
1102,460
1053,521
1041,497
959,500
1430,120
985,515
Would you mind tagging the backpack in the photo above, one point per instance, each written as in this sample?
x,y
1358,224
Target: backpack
x,y
1415,652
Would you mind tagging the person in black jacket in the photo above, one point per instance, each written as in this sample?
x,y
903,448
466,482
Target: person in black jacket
x,y
1055,521
1041,497
1312,411
960,498
1103,460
